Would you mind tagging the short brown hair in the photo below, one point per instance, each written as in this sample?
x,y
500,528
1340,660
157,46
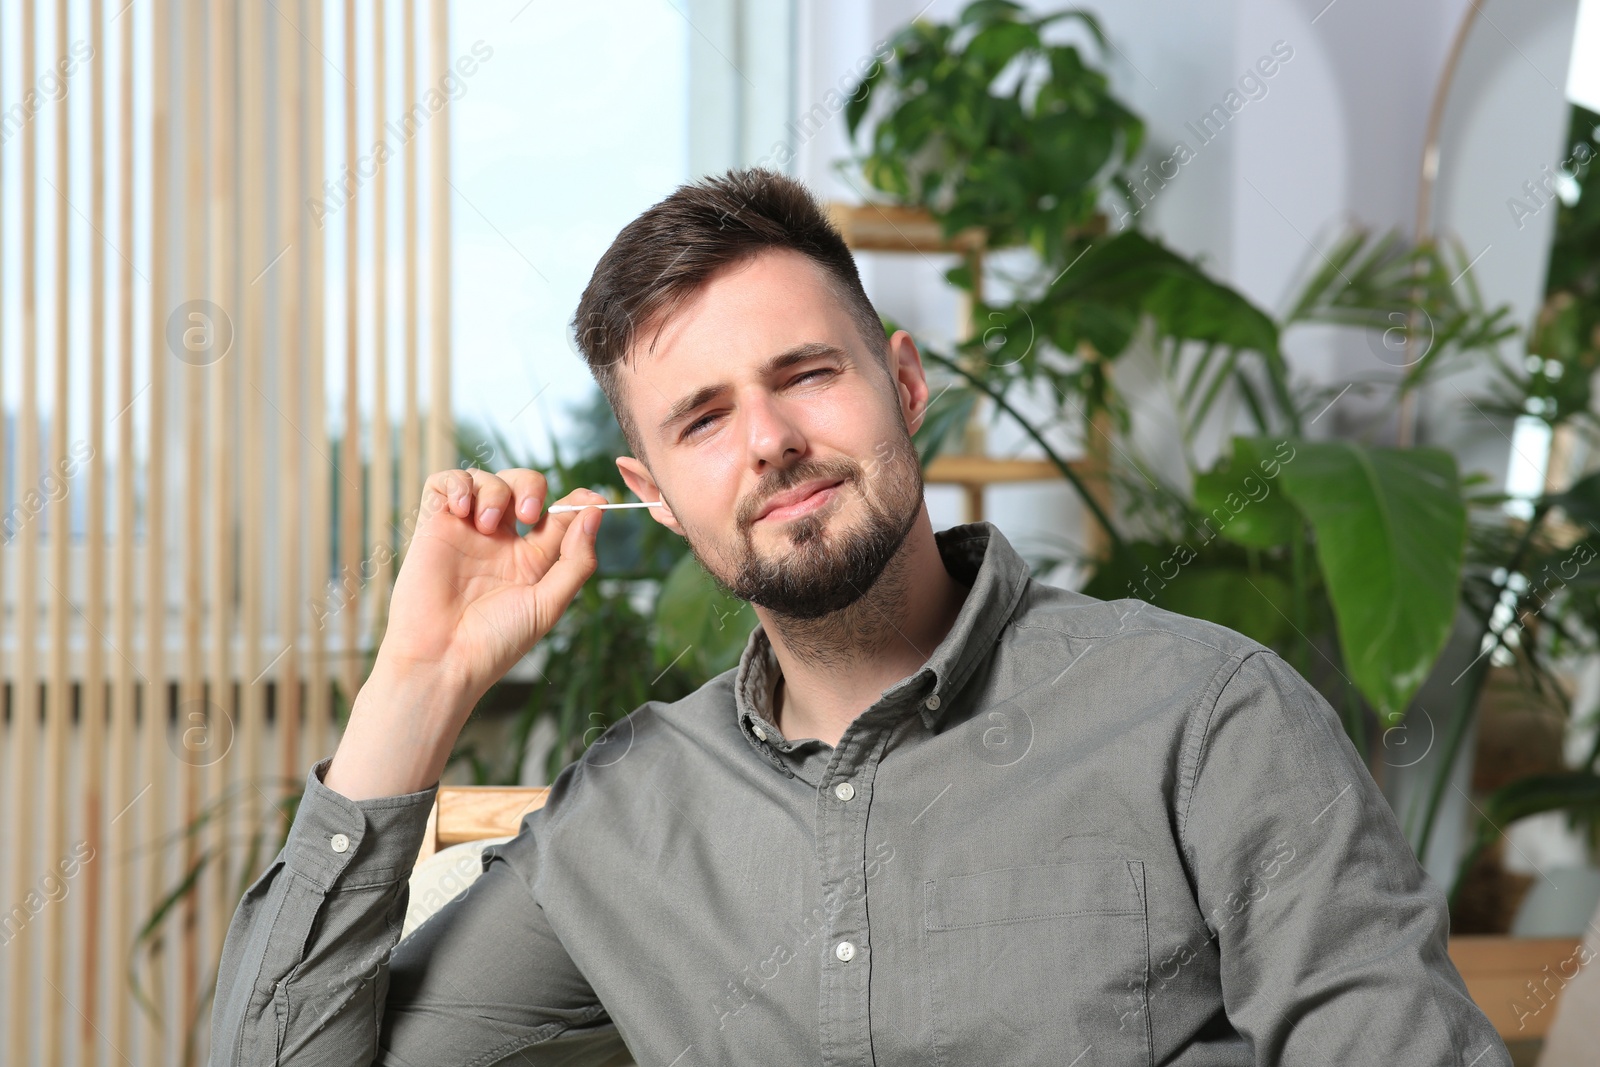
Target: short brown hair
x,y
664,256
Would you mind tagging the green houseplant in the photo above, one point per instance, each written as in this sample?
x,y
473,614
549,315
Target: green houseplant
x,y
953,101
1351,556
1549,604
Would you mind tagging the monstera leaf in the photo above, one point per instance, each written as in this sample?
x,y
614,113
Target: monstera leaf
x,y
1390,530
1255,602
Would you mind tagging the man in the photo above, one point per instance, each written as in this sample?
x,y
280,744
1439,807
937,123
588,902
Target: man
x,y
940,813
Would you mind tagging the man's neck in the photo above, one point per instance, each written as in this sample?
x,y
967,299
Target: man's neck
x,y
835,667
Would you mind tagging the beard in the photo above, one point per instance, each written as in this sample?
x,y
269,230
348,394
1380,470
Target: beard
x,y
819,572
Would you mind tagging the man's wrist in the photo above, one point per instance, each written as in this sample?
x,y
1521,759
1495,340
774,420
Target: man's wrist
x,y
403,725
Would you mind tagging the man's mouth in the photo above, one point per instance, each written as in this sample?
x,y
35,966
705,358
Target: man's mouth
x,y
801,500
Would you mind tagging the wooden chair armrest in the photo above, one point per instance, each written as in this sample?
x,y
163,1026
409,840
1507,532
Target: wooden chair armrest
x,y
473,812
1499,970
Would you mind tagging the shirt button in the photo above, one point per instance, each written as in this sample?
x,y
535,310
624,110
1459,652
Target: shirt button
x,y
339,842
844,791
932,703
761,735
845,951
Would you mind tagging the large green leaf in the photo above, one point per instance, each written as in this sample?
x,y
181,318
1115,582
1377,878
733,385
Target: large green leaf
x,y
1254,602
1390,528
698,625
1131,275
1240,498
1256,605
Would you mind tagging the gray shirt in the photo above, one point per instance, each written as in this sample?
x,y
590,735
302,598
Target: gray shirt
x,y
1084,832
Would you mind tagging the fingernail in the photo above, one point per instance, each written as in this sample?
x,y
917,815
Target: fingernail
x,y
591,522
491,517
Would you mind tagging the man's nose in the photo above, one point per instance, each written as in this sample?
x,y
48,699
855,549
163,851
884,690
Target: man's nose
x,y
775,438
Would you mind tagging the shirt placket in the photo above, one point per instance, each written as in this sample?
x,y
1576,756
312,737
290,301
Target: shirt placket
x,y
843,799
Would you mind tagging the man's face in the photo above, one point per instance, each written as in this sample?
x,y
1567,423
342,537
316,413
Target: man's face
x,y
778,440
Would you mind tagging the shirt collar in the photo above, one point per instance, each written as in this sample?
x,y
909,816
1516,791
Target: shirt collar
x,y
977,555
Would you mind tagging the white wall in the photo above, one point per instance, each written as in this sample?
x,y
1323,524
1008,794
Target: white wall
x,y
1337,137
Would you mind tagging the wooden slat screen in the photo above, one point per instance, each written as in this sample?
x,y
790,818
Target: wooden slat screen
x,y
198,537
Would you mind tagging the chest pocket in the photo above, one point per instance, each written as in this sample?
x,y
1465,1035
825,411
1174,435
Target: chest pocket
x,y
1040,964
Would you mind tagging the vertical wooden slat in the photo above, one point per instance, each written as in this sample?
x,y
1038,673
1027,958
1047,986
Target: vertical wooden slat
x,y
382,469
94,694
58,695
319,476
292,340
439,418
8,966
8,718
24,706
123,732
410,434
255,257
223,267
157,758
350,496
192,693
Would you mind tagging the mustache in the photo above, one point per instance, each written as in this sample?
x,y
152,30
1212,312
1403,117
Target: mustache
x,y
787,478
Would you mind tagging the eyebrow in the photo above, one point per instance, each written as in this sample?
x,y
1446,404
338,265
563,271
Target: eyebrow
x,y
788,358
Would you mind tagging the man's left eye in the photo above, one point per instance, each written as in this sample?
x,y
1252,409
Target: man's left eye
x,y
809,373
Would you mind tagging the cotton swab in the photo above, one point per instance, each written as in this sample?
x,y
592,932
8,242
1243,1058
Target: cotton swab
x,y
555,508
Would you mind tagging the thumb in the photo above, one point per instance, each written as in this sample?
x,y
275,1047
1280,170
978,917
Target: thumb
x,y
553,592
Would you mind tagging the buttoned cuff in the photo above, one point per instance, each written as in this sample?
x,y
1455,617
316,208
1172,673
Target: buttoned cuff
x,y
356,842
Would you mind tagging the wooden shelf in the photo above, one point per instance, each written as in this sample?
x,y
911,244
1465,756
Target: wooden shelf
x,y
948,469
895,228
892,228
975,473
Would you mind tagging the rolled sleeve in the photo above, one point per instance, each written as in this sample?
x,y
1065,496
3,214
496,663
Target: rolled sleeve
x,y
304,965
361,841
1331,936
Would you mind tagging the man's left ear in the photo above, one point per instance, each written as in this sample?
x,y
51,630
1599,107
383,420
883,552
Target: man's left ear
x,y
910,380
637,476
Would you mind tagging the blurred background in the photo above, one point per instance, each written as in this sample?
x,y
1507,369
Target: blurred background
x,y
1279,313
